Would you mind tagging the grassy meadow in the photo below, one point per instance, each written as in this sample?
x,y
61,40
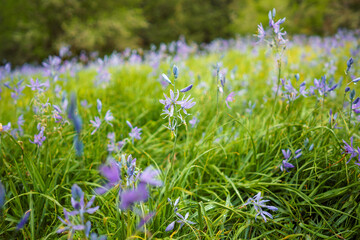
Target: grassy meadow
x,y
229,150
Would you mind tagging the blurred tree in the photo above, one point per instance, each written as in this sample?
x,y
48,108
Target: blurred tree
x,y
32,30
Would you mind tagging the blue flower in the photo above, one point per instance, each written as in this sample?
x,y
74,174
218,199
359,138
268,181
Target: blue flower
x,y
258,204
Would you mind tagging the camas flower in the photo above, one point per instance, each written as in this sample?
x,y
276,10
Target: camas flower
x,y
193,122
109,117
23,220
285,165
258,204
169,103
2,195
135,132
96,124
349,149
112,173
129,197
39,138
230,98
37,86
186,104
349,63
77,201
69,226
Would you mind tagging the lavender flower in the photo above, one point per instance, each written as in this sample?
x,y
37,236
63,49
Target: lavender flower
x,y
39,138
188,88
285,165
129,197
76,120
85,104
6,127
77,201
68,225
261,33
349,149
176,72
135,132
148,176
166,78
96,124
112,173
37,86
230,98
322,86
145,219
169,103
182,220
112,146
23,220
258,204
99,105
349,63
109,117
193,122
186,104
2,195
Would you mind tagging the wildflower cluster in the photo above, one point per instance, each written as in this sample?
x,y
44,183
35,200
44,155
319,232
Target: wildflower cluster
x,y
290,92
274,36
173,106
78,222
285,165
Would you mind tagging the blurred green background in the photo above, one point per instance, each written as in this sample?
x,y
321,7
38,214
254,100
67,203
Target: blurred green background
x,y
30,30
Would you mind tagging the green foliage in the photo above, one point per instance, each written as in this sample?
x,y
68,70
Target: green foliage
x,y
217,165
32,30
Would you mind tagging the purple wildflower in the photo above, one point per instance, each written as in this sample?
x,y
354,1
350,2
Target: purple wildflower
x,y
135,132
6,127
148,176
37,86
23,220
129,197
166,78
258,204
95,124
170,226
98,105
183,219
261,33
176,72
2,195
109,117
169,103
349,63
285,165
112,173
193,122
349,149
76,120
356,105
69,226
188,88
230,98
85,104
145,219
77,201
187,104
39,138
